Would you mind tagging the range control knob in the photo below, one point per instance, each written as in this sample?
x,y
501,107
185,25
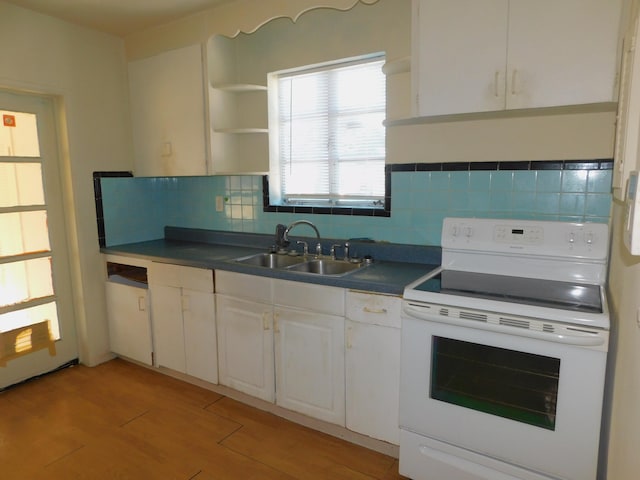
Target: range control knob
x,y
589,238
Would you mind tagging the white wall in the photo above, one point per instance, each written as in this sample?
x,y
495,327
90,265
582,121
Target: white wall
x,y
624,285
624,391
86,72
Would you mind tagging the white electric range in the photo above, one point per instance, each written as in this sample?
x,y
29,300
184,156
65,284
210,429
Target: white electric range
x,y
504,351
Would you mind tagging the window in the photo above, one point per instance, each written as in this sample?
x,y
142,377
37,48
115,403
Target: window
x,y
327,138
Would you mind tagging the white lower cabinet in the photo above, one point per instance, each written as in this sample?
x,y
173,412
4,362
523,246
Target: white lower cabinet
x,y
184,326
129,323
309,349
245,333
245,346
283,342
127,298
372,365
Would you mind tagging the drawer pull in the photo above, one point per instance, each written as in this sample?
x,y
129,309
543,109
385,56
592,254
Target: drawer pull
x,y
142,304
374,310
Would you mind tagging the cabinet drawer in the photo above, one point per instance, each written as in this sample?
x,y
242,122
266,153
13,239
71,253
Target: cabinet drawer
x,y
375,309
307,296
199,279
241,285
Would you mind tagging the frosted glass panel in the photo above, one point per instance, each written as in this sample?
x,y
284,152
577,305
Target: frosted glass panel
x,y
18,134
29,316
29,233
25,280
21,184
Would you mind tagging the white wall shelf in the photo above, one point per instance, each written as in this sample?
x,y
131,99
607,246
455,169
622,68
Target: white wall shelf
x,y
399,65
516,113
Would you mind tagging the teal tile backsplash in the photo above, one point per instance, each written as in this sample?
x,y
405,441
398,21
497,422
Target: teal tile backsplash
x,y
137,209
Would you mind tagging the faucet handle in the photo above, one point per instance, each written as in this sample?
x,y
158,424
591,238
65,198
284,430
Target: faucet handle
x,y
305,247
347,246
332,252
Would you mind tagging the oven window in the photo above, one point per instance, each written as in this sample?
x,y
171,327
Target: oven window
x,y
507,383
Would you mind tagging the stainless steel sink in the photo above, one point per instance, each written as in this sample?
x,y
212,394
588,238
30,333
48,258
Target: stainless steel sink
x,y
300,263
271,260
325,267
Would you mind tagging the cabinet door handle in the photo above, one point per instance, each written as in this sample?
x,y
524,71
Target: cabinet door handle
x,y
496,84
514,79
265,321
276,326
142,304
349,342
185,303
374,310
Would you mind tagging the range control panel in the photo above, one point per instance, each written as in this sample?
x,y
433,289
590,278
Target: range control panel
x,y
548,238
532,235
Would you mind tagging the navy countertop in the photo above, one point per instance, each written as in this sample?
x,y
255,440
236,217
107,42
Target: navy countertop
x,y
394,265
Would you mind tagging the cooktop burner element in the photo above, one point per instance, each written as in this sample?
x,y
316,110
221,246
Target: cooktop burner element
x,y
526,291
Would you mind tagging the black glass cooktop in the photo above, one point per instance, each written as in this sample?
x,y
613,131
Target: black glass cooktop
x,y
528,291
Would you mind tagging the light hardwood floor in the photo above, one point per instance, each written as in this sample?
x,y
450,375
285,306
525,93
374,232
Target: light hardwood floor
x,y
123,421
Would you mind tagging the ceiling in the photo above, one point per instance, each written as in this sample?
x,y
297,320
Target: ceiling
x,y
118,17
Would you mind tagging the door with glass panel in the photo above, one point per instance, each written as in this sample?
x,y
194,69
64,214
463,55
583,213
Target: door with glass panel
x,y
37,327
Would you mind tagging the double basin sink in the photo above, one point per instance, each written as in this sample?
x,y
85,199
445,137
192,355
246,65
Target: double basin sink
x,y
301,263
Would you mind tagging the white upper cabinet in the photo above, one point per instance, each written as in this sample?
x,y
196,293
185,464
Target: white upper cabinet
x,y
167,102
459,50
489,55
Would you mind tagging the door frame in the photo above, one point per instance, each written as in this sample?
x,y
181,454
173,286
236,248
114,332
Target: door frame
x,y
59,203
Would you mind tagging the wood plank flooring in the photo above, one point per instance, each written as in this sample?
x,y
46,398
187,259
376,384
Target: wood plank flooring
x,y
123,421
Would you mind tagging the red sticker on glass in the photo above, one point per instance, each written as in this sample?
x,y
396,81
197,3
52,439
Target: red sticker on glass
x,y
9,120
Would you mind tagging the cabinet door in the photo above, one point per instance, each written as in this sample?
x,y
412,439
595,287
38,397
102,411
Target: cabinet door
x,y
245,346
459,53
372,370
129,326
201,354
309,351
168,328
562,52
166,94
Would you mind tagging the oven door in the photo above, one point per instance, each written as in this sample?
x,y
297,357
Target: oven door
x,y
519,398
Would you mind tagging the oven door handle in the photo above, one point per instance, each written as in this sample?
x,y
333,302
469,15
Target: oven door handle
x,y
580,337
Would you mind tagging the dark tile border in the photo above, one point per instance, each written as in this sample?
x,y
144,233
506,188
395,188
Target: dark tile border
x,y
97,193
368,212
596,164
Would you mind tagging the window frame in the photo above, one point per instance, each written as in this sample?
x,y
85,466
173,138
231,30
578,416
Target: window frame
x,y
329,204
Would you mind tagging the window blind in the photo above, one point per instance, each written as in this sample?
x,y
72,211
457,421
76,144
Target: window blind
x,y
331,138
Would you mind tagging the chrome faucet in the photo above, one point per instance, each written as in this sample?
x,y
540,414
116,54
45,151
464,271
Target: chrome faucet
x,y
285,235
